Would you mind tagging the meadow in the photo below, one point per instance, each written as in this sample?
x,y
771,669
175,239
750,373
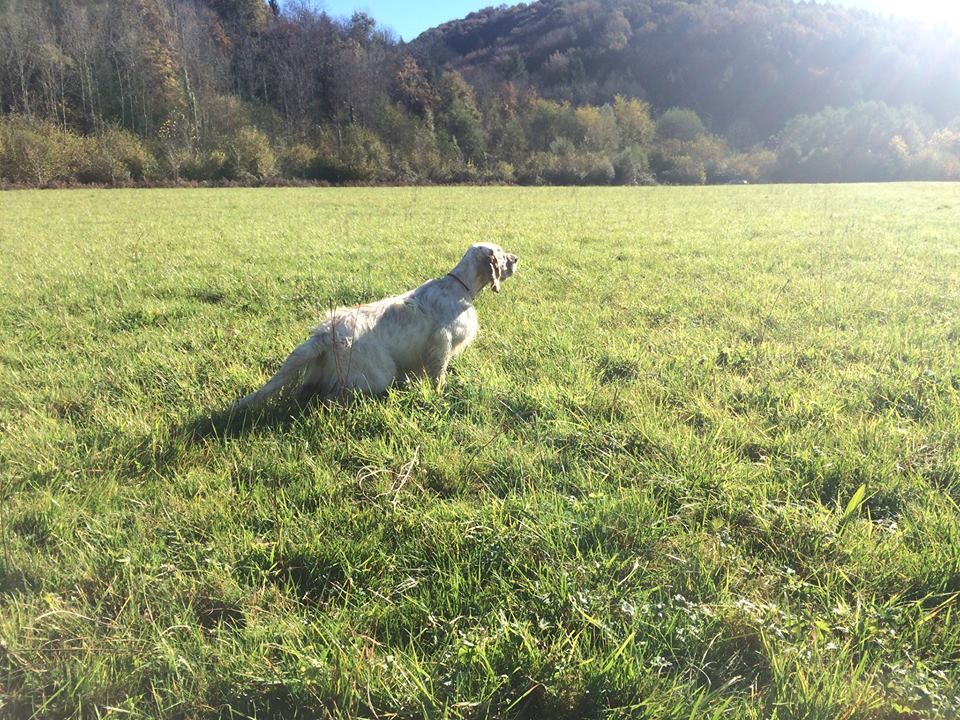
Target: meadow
x,y
702,462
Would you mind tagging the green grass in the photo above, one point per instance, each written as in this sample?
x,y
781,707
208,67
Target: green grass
x,y
702,462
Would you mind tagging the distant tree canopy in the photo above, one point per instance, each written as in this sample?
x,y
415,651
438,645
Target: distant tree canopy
x,y
732,61
557,91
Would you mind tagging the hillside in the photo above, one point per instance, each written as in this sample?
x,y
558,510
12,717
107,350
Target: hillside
x,y
746,66
556,92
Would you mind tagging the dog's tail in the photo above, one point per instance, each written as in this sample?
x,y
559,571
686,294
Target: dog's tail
x,y
305,353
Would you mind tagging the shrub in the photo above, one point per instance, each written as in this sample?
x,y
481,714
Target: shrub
x,y
932,163
248,152
689,162
754,166
457,173
135,160
632,167
939,159
421,159
224,116
200,167
411,146
551,121
683,170
459,118
532,170
501,172
34,151
594,169
598,126
680,124
112,156
350,154
633,119
566,169
91,164
297,160
191,167
869,141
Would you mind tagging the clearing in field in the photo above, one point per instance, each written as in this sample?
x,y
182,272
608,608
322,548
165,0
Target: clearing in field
x,y
703,461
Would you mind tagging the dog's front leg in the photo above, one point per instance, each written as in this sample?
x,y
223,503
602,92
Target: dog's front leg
x,y
441,348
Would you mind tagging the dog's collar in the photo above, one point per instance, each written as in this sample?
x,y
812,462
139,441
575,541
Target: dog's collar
x,y
465,286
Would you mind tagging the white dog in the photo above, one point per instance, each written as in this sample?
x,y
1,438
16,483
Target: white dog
x,y
368,347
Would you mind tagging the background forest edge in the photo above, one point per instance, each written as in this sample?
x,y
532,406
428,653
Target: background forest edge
x,y
554,92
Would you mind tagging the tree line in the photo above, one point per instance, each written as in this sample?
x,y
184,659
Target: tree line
x,y
155,91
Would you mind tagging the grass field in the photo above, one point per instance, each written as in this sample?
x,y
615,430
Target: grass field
x,y
702,462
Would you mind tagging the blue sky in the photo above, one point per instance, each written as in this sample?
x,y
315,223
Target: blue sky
x,y
409,19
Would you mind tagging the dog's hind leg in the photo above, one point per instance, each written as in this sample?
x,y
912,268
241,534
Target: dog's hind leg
x,y
319,379
302,356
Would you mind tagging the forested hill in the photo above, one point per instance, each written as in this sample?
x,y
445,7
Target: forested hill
x,y
746,66
558,91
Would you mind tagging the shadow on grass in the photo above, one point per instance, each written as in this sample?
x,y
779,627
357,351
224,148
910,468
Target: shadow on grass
x,y
360,416
232,423
162,448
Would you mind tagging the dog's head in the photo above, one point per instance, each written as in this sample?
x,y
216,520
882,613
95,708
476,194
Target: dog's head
x,y
490,264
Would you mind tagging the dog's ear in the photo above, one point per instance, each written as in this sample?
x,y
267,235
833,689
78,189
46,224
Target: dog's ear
x,y
495,271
